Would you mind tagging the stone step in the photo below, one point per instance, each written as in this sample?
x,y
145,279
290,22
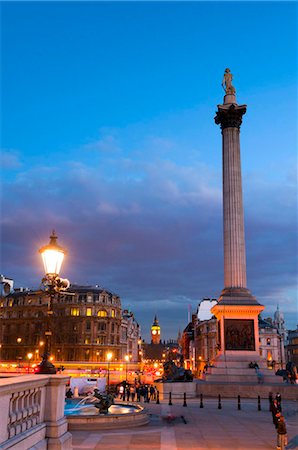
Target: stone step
x,y
231,378
231,370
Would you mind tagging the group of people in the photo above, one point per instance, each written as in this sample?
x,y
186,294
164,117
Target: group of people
x,y
137,392
278,421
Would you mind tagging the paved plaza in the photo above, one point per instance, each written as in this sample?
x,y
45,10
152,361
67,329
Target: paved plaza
x,y
197,428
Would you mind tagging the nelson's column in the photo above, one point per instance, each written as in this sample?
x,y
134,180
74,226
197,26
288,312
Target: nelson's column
x,y
237,309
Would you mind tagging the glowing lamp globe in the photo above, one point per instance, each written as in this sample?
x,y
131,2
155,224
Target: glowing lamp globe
x,y
52,256
109,356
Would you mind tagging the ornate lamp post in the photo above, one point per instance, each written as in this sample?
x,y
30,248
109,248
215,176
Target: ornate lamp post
x,y
109,357
52,256
126,357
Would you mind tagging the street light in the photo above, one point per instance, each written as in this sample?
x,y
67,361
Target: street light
x,y
52,257
29,356
126,357
109,357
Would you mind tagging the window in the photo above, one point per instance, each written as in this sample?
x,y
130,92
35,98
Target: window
x,y
89,298
102,326
87,340
74,311
102,313
89,312
88,325
268,341
113,313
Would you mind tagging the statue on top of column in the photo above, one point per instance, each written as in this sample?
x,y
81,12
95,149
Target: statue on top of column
x,y
227,83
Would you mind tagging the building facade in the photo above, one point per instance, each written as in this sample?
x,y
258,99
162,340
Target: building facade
x,y
292,347
87,323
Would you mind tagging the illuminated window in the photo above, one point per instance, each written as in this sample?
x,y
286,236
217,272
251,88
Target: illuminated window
x,y
74,311
87,341
113,313
88,311
102,313
268,341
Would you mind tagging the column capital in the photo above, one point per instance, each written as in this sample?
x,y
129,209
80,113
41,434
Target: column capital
x,y
229,115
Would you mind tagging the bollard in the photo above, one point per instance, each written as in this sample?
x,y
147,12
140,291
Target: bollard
x,y
201,401
184,399
219,401
259,403
157,398
239,403
270,398
170,399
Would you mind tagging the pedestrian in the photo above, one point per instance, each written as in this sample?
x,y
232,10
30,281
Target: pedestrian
x,y
69,393
275,411
132,390
278,400
152,392
282,437
127,393
138,392
146,394
121,391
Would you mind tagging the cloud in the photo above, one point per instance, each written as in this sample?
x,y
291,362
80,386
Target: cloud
x,y
148,226
9,159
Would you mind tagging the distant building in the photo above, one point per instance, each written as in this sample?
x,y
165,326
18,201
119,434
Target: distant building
x,y
271,344
155,351
292,347
158,351
87,322
155,332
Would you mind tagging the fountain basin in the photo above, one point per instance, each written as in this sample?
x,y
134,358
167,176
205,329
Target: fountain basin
x,y
120,415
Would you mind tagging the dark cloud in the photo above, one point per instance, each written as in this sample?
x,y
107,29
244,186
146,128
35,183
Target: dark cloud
x,y
150,231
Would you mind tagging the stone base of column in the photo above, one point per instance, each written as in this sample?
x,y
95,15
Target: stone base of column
x,y
237,296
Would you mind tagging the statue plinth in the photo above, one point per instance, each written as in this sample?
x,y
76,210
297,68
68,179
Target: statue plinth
x,y
229,99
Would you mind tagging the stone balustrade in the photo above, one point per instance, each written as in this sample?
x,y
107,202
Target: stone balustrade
x,y
32,413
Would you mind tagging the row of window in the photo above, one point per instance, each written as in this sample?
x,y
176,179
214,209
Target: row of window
x,y
88,312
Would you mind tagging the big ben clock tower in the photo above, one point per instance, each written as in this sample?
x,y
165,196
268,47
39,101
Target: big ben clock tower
x,y
155,332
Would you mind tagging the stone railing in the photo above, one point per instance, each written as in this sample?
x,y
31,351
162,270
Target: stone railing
x,y
32,413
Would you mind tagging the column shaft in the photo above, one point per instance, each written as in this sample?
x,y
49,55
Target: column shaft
x,y
234,242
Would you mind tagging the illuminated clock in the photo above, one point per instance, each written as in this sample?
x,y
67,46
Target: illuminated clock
x,y
154,331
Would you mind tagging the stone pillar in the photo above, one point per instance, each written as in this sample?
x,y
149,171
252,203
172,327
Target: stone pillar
x,y
229,116
57,434
237,309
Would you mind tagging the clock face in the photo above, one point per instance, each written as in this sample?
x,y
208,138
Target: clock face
x,y
154,331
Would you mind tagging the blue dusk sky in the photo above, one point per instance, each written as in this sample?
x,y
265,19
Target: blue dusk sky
x,y
108,137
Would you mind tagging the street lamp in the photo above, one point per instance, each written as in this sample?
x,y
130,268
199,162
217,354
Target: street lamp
x,y
109,357
29,356
52,257
126,357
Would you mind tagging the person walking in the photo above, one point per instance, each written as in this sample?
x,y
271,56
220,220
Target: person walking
x,y
121,391
152,392
278,399
282,437
132,392
275,411
127,392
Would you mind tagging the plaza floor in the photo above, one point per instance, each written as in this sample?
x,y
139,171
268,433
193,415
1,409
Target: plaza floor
x,y
197,428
